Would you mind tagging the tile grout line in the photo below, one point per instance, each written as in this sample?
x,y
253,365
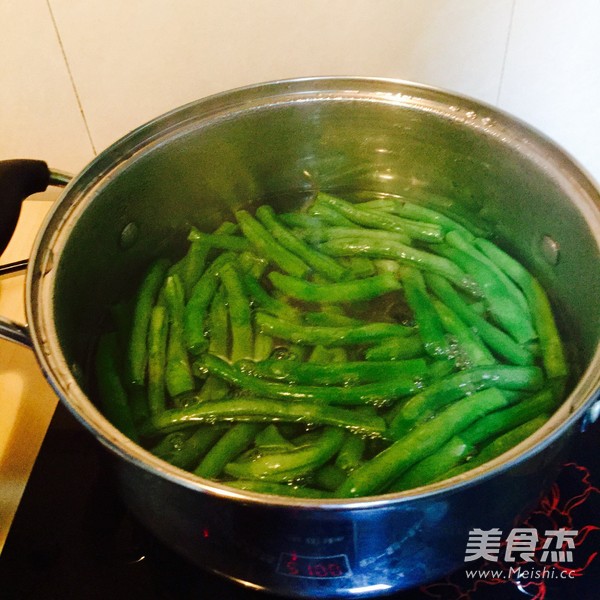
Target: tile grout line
x,y
72,79
508,34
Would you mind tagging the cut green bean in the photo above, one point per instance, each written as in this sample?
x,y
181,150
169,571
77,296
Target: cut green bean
x,y
410,210
376,475
187,450
262,298
178,374
265,410
112,393
269,247
157,358
449,389
465,242
502,307
499,342
230,445
277,489
218,325
137,354
221,241
351,453
290,465
242,335
426,261
341,373
397,348
349,291
428,320
379,392
369,218
298,333
460,448
328,214
320,263
196,310
328,477
472,351
500,445
553,354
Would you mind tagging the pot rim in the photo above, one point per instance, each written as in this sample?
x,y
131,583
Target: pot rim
x,y
45,340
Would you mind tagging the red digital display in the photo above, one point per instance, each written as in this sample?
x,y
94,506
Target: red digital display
x,y
314,567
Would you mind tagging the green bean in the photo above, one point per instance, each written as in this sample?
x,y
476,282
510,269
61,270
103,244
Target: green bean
x,y
351,453
359,266
349,291
269,247
379,392
232,444
292,464
502,421
301,221
178,375
377,474
242,335
263,346
328,214
404,254
410,210
270,439
458,449
221,241
474,352
498,341
196,310
218,325
329,336
440,393
370,218
328,355
194,264
187,450
502,307
113,396
396,348
553,355
508,440
465,242
262,298
427,318
137,354
277,489
213,389
317,236
449,207
329,318
157,358
435,466
328,477
264,410
499,446
320,263
343,373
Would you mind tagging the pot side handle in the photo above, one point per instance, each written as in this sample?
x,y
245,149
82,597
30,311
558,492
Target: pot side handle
x,y
18,179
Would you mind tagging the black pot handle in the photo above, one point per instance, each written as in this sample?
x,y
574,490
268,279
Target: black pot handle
x,y
18,179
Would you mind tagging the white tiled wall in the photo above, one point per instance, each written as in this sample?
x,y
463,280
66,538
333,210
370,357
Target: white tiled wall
x,y
75,76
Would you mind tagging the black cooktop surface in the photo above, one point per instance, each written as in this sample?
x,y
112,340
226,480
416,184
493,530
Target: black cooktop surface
x,y
72,538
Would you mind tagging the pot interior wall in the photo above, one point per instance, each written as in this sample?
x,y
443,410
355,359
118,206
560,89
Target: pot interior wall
x,y
195,172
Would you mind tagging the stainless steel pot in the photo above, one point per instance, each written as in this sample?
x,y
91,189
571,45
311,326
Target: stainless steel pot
x,y
279,141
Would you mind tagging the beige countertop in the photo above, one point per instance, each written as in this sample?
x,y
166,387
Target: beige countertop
x,y
27,402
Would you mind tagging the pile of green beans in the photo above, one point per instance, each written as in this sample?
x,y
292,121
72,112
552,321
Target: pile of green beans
x,y
343,350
